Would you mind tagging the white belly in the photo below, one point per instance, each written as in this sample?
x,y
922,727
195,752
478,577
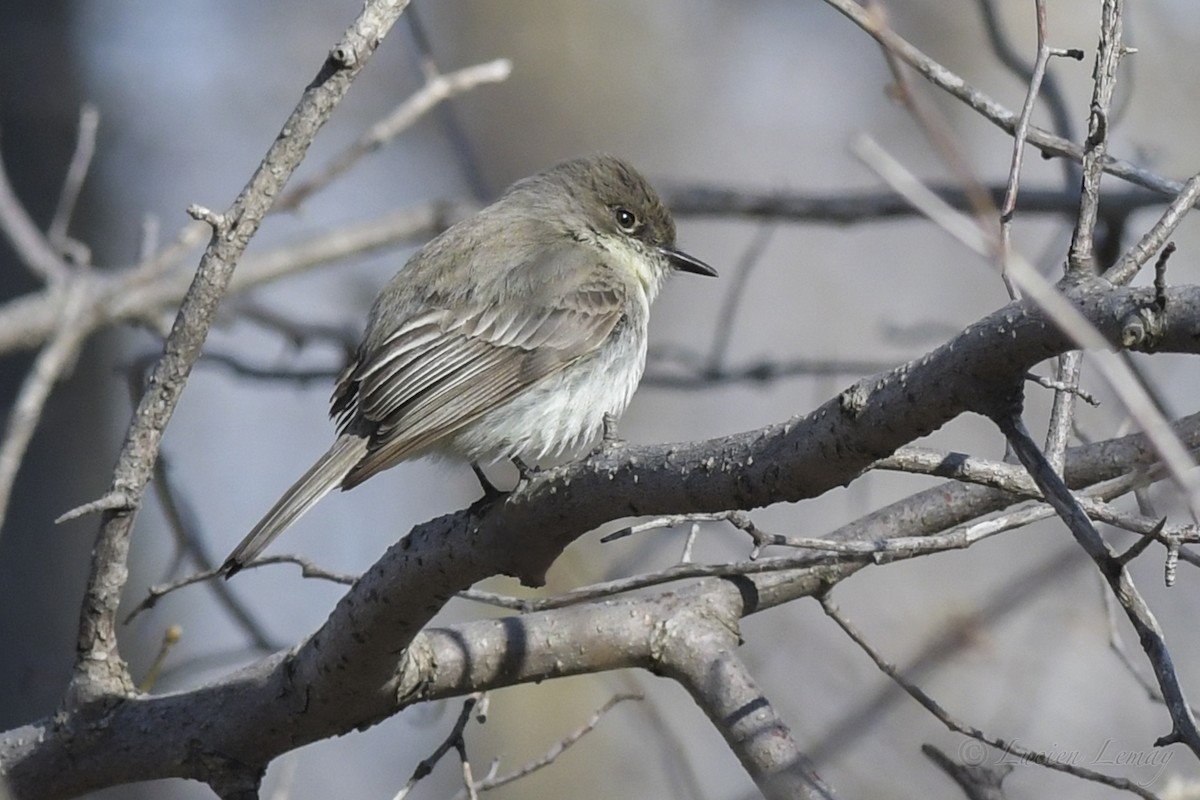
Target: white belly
x,y
563,412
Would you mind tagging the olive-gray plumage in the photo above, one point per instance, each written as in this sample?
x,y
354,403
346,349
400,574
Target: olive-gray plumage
x,y
512,334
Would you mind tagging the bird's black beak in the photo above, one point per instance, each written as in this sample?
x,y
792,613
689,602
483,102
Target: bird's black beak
x,y
685,263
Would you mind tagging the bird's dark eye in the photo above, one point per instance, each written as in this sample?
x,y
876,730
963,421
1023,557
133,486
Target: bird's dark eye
x,y
626,219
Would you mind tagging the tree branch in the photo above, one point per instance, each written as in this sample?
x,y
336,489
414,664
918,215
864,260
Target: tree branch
x,y
99,669
1006,120
1113,570
344,676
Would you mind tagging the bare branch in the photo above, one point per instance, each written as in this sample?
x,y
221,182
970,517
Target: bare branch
x,y
1062,411
152,288
552,755
33,249
1051,91
931,705
113,501
1036,75
81,161
1080,257
308,569
857,207
1065,315
1006,120
680,369
1123,271
728,315
1059,386
99,669
978,782
932,124
437,89
453,740
52,362
1183,729
701,654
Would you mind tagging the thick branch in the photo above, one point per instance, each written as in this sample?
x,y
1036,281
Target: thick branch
x,y
698,649
344,676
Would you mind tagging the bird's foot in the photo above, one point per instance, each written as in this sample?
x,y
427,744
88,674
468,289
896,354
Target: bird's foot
x,y
490,492
609,440
526,473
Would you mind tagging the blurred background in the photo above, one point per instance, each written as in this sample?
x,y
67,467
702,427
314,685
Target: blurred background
x,y
1011,635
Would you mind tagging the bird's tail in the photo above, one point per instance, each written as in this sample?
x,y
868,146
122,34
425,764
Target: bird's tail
x,y
321,478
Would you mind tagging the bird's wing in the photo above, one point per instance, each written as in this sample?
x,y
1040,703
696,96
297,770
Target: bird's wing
x,y
442,369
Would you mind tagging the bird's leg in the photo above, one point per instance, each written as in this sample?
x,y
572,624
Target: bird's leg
x,y
609,421
526,472
490,492
609,438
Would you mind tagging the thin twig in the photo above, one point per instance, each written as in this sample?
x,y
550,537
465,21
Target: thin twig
x,y
1059,386
672,520
865,206
1009,206
299,333
978,781
148,290
453,741
52,362
451,125
1124,270
33,249
684,368
1062,410
933,125
1060,309
171,637
297,375
308,569
1116,643
1081,255
1051,92
1183,724
728,315
1002,117
556,750
437,89
85,148
191,543
113,501
958,632
933,707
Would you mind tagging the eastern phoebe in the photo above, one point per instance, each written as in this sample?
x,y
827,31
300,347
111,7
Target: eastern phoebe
x,y
512,334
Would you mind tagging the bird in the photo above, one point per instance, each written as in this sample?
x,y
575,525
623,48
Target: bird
x,y
519,332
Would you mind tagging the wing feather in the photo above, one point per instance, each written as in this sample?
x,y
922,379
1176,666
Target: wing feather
x,y
388,393
416,333
442,370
